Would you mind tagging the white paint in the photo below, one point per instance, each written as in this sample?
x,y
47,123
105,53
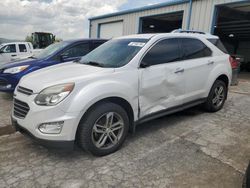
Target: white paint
x,y
153,88
111,30
6,56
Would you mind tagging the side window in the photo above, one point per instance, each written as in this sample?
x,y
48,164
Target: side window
x,y
77,51
194,48
22,48
97,44
9,48
218,44
164,51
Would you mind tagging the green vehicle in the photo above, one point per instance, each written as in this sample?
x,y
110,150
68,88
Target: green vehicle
x,y
41,40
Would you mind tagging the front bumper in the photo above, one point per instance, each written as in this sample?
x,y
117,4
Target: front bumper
x,y
38,115
8,83
65,145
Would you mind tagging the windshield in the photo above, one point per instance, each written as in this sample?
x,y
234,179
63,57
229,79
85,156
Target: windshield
x,y
1,47
114,53
51,49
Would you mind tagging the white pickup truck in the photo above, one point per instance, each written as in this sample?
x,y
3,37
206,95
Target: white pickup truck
x,y
15,51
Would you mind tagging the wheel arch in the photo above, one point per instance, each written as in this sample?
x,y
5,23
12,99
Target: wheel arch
x,y
116,100
224,78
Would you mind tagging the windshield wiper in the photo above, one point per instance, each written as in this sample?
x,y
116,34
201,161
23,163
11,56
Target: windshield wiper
x,y
94,64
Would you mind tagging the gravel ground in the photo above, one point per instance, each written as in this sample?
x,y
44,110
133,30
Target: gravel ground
x,y
187,149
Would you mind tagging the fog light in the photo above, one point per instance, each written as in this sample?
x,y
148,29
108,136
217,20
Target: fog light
x,y
51,128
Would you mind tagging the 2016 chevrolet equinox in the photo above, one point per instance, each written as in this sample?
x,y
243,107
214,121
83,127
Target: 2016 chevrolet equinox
x,y
126,81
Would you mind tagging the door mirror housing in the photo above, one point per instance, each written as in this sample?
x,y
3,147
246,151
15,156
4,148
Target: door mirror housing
x,y
63,57
144,64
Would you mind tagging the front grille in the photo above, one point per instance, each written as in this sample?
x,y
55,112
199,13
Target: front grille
x,y
24,90
3,82
21,109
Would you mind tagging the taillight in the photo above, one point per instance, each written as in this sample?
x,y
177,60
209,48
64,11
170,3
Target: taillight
x,y
234,63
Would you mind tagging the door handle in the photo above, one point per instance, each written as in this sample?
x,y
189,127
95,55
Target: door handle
x,y
210,62
179,70
13,55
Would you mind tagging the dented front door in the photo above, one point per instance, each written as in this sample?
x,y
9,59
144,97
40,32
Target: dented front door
x,y
161,87
162,84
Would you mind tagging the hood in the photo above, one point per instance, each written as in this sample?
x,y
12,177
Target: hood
x,y
27,61
62,73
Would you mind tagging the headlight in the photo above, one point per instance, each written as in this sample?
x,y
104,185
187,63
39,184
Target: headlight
x,y
15,70
53,95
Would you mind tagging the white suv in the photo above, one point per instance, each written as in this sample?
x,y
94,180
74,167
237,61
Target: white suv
x,y
126,81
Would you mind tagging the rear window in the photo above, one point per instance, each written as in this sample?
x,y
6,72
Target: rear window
x,y
22,48
194,48
218,44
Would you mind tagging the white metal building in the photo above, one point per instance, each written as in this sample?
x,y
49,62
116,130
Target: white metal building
x,y
230,19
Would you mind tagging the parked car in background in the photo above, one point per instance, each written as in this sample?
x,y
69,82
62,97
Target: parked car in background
x,y
61,52
126,81
16,50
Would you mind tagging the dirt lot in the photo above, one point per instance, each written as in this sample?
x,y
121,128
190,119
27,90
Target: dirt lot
x,y
187,149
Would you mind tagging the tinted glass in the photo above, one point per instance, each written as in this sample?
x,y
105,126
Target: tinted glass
x,y
22,48
194,48
164,51
115,53
77,51
9,48
97,44
51,49
218,44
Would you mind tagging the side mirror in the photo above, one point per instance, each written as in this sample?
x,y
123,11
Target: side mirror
x,y
144,64
63,57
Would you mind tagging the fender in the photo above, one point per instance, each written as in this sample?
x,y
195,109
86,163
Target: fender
x,y
219,70
94,92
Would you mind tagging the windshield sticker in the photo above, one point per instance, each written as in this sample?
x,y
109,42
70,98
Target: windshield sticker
x,y
137,44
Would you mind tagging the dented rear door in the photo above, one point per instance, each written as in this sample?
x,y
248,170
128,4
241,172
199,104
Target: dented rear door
x,y
162,84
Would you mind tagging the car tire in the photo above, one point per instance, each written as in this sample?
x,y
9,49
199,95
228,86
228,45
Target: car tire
x,y
217,97
103,129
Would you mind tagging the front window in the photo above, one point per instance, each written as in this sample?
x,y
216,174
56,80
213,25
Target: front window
x,y
165,51
77,50
51,49
11,48
114,53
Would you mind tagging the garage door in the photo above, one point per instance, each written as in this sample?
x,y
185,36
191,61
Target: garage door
x,y
232,25
111,30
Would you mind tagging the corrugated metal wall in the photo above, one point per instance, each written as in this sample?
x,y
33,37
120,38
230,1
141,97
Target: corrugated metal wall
x,y
131,21
201,18
203,13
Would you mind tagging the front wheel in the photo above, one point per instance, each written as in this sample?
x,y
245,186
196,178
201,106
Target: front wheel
x,y
104,129
217,96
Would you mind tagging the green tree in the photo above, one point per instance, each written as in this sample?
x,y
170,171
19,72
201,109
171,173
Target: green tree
x,y
28,38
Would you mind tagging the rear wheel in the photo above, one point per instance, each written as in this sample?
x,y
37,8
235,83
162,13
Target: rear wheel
x,y
216,97
104,129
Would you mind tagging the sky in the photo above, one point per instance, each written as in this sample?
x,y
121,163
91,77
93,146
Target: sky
x,y
67,19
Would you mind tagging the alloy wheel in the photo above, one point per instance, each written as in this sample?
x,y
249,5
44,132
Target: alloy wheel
x,y
219,96
107,130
